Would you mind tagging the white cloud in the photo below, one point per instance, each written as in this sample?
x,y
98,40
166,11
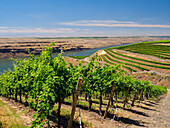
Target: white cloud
x,y
102,21
3,27
112,23
34,30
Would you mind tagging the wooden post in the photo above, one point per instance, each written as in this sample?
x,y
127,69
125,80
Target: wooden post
x,y
79,83
111,96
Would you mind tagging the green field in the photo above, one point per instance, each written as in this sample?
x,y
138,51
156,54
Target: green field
x,y
154,48
159,49
79,57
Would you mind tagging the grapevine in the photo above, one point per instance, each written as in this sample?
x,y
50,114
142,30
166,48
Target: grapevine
x,y
45,81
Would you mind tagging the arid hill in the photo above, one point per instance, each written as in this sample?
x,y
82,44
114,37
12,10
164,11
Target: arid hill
x,y
13,47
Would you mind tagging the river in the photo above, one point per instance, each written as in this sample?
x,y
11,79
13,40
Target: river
x,y
6,64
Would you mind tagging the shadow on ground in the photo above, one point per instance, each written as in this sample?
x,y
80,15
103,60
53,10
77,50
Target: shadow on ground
x,y
136,112
146,108
119,119
64,121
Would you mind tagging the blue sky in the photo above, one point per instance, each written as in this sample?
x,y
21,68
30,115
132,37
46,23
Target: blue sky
x,y
56,18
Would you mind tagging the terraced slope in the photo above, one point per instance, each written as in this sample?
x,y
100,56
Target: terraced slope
x,y
159,49
137,63
135,58
129,59
111,61
126,61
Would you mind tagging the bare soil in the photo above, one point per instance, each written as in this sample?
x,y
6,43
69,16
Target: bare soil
x,y
155,78
146,114
151,114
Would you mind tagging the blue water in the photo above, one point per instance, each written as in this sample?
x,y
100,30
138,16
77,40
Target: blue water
x,y
85,52
6,64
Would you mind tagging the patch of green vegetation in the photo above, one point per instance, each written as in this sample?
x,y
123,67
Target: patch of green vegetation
x,y
66,113
86,123
163,67
100,59
103,56
79,57
81,103
24,111
150,53
140,59
139,67
157,90
148,48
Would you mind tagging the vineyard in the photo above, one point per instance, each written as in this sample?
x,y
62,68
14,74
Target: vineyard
x,y
118,55
42,82
156,48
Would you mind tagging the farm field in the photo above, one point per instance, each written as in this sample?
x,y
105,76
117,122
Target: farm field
x,y
144,114
159,49
134,58
85,64
138,59
133,102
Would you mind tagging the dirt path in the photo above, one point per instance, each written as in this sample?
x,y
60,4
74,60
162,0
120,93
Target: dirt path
x,y
161,118
162,74
147,114
153,114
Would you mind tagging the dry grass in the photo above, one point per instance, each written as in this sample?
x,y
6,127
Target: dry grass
x,y
8,117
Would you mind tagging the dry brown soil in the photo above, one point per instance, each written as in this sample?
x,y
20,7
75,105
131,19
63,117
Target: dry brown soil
x,y
151,114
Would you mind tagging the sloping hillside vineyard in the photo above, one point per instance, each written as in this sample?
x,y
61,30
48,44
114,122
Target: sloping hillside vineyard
x,y
43,81
159,49
125,55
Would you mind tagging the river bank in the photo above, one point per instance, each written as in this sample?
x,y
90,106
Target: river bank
x,y
19,47
7,63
